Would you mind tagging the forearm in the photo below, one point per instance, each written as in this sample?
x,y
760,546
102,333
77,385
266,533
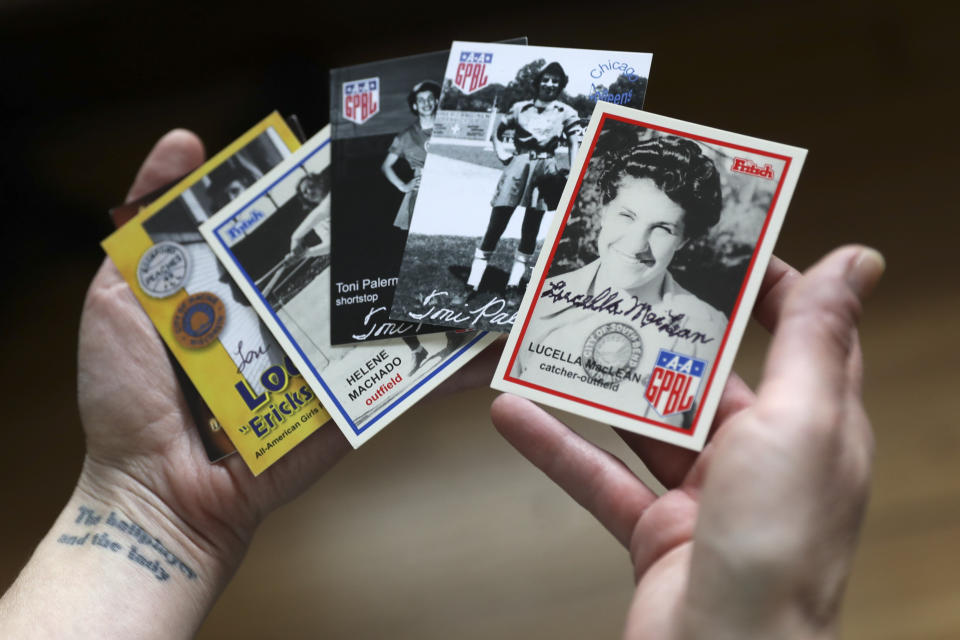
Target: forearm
x,y
114,566
387,169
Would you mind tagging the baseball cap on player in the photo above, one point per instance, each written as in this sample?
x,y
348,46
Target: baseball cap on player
x,y
314,187
553,69
426,85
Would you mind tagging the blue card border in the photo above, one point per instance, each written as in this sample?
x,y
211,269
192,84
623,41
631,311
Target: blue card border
x,y
283,327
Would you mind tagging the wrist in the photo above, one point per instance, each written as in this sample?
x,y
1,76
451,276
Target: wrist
x,y
750,608
114,564
212,546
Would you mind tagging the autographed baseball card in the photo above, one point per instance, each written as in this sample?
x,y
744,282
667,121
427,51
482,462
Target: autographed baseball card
x,y
638,303
205,321
510,121
365,385
382,115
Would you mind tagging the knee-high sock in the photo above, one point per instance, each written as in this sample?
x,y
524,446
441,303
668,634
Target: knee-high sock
x,y
521,263
477,267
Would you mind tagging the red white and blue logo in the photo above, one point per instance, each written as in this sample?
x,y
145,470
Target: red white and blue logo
x,y
471,72
674,383
361,99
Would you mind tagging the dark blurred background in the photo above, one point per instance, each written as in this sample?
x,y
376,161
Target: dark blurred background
x,y
437,529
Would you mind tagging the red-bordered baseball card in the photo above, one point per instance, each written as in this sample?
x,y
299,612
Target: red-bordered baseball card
x,y
640,298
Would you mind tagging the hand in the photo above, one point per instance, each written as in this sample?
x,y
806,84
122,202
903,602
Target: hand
x,y
754,536
412,185
143,452
297,244
504,153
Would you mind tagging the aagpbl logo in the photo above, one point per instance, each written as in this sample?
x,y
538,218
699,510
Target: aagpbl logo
x,y
361,99
471,72
674,382
751,168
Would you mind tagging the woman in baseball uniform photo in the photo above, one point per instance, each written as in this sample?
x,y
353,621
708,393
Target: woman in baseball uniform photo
x,y
531,177
411,145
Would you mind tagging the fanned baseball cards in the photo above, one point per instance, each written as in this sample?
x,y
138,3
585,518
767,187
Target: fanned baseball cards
x,y
205,321
364,385
510,120
638,303
382,115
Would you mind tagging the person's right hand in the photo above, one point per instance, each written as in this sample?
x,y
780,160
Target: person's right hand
x,y
755,535
412,185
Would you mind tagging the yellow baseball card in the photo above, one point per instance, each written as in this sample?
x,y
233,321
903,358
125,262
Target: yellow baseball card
x,y
256,394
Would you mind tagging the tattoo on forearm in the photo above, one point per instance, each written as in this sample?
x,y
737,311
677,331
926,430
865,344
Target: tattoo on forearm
x,y
148,552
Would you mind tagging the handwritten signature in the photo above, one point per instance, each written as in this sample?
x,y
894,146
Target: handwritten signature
x,y
246,357
611,302
494,312
384,329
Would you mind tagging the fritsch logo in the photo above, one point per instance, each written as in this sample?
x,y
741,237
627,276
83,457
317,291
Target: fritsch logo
x,y
751,168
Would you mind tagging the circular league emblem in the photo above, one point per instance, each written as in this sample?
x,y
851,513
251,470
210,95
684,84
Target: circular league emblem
x,y
612,352
163,269
199,320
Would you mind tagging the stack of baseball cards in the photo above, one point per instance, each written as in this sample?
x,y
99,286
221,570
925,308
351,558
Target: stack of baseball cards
x,y
206,322
456,196
364,385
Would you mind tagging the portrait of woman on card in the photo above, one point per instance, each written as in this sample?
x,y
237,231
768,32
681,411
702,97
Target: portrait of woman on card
x,y
604,324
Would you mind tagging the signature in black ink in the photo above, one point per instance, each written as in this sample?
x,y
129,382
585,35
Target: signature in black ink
x,y
249,356
613,303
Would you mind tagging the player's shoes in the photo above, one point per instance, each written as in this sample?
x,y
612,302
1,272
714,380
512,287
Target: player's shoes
x,y
419,357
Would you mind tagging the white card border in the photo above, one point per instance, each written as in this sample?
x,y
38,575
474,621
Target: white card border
x,y
355,434
697,436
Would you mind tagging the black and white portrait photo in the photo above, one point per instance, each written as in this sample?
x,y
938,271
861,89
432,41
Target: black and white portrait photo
x,y
509,125
377,162
650,265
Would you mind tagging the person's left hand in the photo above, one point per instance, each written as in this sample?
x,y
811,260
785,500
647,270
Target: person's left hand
x,y
143,451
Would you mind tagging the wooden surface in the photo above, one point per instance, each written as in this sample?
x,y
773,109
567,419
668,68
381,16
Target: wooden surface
x,y
436,528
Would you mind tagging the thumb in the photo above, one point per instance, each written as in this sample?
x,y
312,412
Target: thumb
x,y
173,155
815,345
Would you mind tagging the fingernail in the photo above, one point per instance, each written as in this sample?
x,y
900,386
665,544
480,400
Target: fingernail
x,y
865,271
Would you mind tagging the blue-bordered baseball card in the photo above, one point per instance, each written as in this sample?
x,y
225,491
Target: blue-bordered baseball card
x,y
280,260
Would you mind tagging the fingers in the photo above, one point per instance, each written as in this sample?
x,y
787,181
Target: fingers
x,y
173,155
671,464
814,357
777,282
598,481
667,462
301,467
